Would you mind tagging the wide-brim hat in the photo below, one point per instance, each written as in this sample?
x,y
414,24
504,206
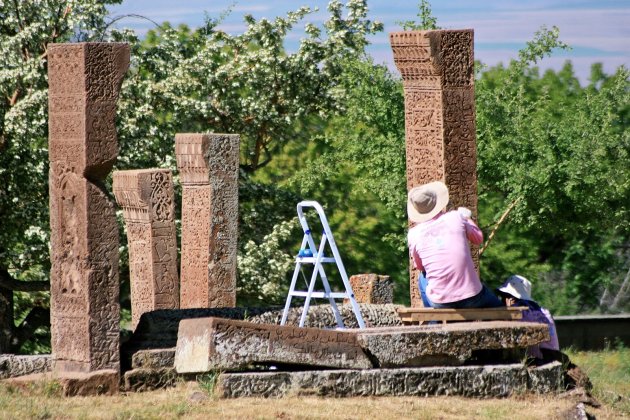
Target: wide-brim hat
x,y
426,201
517,286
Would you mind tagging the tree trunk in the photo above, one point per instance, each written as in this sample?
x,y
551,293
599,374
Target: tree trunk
x,y
7,328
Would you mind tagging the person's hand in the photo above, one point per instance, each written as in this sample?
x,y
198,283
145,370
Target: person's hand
x,y
464,212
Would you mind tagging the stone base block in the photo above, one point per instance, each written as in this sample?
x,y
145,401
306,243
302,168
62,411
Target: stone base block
x,y
371,288
12,365
468,381
101,382
206,344
138,380
153,359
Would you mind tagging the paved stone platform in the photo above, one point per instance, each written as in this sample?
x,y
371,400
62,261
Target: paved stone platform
x,y
466,381
206,344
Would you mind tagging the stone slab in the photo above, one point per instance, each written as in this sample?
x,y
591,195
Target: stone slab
x,y
322,316
219,344
450,344
158,329
466,381
100,382
12,365
143,379
153,359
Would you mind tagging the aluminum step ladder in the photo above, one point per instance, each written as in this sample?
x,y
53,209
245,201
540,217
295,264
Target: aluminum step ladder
x,y
310,254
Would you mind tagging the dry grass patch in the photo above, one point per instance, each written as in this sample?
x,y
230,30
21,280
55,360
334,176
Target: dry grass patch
x,y
180,402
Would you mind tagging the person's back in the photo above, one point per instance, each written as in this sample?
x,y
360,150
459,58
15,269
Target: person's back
x,y
439,247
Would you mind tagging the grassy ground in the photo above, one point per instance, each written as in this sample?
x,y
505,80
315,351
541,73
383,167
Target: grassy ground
x,y
609,372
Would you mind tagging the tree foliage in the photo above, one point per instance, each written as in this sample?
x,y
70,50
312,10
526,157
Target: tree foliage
x,y
325,122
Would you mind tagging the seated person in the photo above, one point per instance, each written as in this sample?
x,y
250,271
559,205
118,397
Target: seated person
x,y
516,291
438,244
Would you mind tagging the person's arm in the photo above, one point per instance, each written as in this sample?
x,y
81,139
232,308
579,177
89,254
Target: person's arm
x,y
473,233
417,261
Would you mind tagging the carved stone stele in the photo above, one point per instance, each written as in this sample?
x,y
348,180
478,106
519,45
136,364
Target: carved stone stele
x,y
147,199
371,288
437,68
208,167
84,81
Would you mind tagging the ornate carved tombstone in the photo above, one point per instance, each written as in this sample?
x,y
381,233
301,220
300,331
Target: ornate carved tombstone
x,y
147,199
208,167
84,80
437,68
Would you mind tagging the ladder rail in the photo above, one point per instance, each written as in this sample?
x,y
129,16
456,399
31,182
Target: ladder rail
x,y
296,272
318,258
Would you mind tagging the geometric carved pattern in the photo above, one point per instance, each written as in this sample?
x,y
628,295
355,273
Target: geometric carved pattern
x,y
84,80
437,68
147,199
208,166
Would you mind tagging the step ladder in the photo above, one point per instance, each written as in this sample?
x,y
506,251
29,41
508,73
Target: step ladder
x,y
310,254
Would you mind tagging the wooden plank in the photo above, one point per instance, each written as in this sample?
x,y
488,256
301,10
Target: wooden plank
x,y
421,315
465,310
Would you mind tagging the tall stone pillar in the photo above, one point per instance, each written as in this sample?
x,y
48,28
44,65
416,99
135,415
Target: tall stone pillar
x,y
147,199
208,167
437,68
84,80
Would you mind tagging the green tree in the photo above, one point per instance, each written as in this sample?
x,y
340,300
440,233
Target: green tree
x,y
180,80
555,154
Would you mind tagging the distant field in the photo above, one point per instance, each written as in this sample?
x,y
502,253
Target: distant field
x,y
609,372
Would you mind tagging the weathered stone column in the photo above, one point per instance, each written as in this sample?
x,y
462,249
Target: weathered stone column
x,y
208,167
147,199
84,80
437,68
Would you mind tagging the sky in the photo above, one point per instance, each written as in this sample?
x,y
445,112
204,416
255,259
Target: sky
x,y
597,30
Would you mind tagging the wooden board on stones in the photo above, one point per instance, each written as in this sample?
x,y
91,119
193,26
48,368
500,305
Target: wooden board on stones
x,y
411,316
206,344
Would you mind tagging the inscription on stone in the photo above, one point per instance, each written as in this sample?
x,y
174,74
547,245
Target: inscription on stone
x,y
147,199
208,167
437,68
84,80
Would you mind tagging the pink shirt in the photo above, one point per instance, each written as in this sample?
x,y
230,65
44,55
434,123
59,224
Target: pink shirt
x,y
440,247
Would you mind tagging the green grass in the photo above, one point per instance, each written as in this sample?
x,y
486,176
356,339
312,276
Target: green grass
x,y
609,371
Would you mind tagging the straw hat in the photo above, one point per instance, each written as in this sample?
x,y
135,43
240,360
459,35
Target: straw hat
x,y
517,286
426,201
